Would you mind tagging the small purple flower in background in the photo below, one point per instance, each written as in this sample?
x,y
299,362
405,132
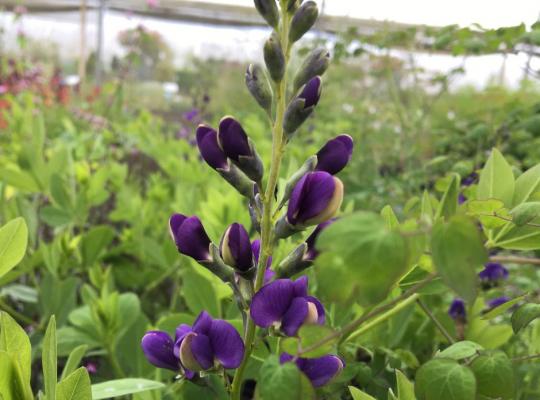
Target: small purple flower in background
x,y
493,272
319,371
315,199
91,367
335,154
209,148
196,348
469,180
235,248
285,304
311,252
190,237
268,273
457,310
191,114
496,302
461,198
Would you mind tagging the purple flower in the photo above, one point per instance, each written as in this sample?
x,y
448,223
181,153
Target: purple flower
x,y
268,273
285,304
311,252
209,148
311,93
233,139
196,348
457,310
190,237
335,154
158,347
190,115
315,199
493,272
320,371
462,198
235,248
469,180
496,302
91,367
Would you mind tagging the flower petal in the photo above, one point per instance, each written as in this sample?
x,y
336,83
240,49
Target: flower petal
x,y
158,349
335,154
175,222
320,309
226,343
295,316
203,323
312,252
233,139
301,286
311,198
236,248
312,92
201,349
209,147
192,240
271,302
321,370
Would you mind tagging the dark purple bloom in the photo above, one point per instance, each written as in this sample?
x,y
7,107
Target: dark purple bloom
x,y
457,310
233,139
320,371
190,237
496,302
191,114
469,180
461,198
493,272
209,148
268,273
335,154
311,92
285,304
158,347
209,340
315,199
311,252
235,248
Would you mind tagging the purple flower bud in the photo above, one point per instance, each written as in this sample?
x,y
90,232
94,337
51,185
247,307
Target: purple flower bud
x,y
493,272
496,302
209,147
311,252
235,248
285,304
91,367
315,199
233,139
190,237
469,180
209,341
335,154
462,198
311,92
158,349
319,371
457,310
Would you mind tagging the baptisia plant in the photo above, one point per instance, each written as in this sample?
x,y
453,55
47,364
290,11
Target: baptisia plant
x,y
270,302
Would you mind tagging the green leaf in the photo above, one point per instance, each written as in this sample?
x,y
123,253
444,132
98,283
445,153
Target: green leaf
x,y
496,180
519,237
460,350
486,334
49,360
496,311
444,379
11,382
55,217
363,255
389,216
527,185
525,213
405,387
13,242
524,315
199,293
491,213
15,342
308,335
122,387
494,375
449,201
94,243
74,360
279,382
75,387
457,251
59,192
357,394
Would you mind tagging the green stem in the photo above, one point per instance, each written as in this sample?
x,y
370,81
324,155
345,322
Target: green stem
x,y
15,314
437,323
267,243
118,371
533,357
